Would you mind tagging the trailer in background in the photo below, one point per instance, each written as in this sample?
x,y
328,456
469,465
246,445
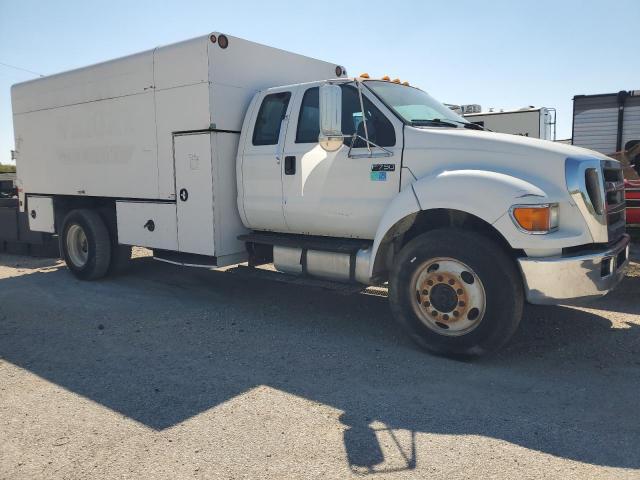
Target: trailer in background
x,y
610,124
529,121
606,122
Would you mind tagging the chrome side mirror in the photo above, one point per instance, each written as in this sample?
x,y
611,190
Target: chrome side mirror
x,y
330,99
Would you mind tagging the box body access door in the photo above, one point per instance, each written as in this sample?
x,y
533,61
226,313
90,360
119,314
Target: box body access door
x,y
204,220
194,192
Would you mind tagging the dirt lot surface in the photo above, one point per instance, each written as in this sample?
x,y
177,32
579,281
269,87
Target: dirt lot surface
x,y
170,373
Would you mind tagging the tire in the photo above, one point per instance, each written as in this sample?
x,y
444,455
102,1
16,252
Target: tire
x,y
473,303
85,244
120,259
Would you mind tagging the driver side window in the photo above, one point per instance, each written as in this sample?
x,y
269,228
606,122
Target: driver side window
x,y
380,129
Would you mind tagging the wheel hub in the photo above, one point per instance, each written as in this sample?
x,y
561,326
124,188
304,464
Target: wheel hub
x,y
450,297
443,297
77,245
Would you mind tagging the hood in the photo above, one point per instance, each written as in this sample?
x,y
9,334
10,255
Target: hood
x,y
432,150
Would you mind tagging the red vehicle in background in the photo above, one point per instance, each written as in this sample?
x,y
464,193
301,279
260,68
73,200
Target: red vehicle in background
x,y
632,195
630,159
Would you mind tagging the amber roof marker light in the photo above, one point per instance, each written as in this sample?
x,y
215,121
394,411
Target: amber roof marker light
x,y
364,75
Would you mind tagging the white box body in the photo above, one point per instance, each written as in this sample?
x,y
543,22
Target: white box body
x,y
106,130
110,130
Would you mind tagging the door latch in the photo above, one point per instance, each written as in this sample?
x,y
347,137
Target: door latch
x,y
290,165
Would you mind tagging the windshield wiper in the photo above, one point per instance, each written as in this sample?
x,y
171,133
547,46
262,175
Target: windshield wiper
x,y
473,126
438,122
434,122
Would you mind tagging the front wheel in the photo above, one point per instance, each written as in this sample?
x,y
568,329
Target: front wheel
x,y
456,292
85,244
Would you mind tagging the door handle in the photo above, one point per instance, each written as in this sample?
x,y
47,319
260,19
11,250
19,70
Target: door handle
x,y
289,165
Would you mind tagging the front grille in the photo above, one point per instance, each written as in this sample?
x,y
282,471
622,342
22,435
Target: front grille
x,y
614,199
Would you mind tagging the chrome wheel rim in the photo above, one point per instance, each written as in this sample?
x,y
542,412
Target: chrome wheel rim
x,y
77,246
449,296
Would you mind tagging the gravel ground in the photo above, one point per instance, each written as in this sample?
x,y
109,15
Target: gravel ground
x,y
185,373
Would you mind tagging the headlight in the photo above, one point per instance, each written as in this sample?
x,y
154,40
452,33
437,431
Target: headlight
x,y
536,219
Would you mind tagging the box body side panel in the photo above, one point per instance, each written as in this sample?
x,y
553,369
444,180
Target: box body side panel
x,y
115,78
147,224
102,148
41,215
228,224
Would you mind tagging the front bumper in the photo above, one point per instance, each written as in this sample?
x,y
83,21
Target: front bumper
x,y
567,279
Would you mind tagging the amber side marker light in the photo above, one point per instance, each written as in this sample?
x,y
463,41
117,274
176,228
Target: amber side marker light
x,y
535,219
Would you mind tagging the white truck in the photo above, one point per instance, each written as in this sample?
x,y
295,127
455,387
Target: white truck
x,y
217,150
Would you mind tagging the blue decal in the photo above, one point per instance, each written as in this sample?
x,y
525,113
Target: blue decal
x,y
378,176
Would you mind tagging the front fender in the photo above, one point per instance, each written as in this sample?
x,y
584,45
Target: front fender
x,y
486,195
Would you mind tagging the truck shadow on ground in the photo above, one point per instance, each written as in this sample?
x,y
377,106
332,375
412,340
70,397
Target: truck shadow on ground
x,y
163,344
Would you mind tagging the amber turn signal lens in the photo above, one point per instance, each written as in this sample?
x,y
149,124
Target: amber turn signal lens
x,y
536,219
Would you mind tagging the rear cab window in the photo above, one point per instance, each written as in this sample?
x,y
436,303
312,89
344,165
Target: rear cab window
x,y
269,119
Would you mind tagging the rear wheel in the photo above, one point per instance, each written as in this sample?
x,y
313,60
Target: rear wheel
x,y
456,292
85,244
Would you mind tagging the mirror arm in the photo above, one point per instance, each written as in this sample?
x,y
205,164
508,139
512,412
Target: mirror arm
x,y
364,117
385,152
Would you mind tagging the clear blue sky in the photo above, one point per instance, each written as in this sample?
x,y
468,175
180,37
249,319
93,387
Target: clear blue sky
x,y
501,54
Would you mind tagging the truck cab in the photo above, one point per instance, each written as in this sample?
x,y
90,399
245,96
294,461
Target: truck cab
x,y
400,170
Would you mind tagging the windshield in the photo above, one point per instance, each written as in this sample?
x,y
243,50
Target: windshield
x,y
413,105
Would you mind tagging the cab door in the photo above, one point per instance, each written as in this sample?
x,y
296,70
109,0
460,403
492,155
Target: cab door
x,y
262,163
330,193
